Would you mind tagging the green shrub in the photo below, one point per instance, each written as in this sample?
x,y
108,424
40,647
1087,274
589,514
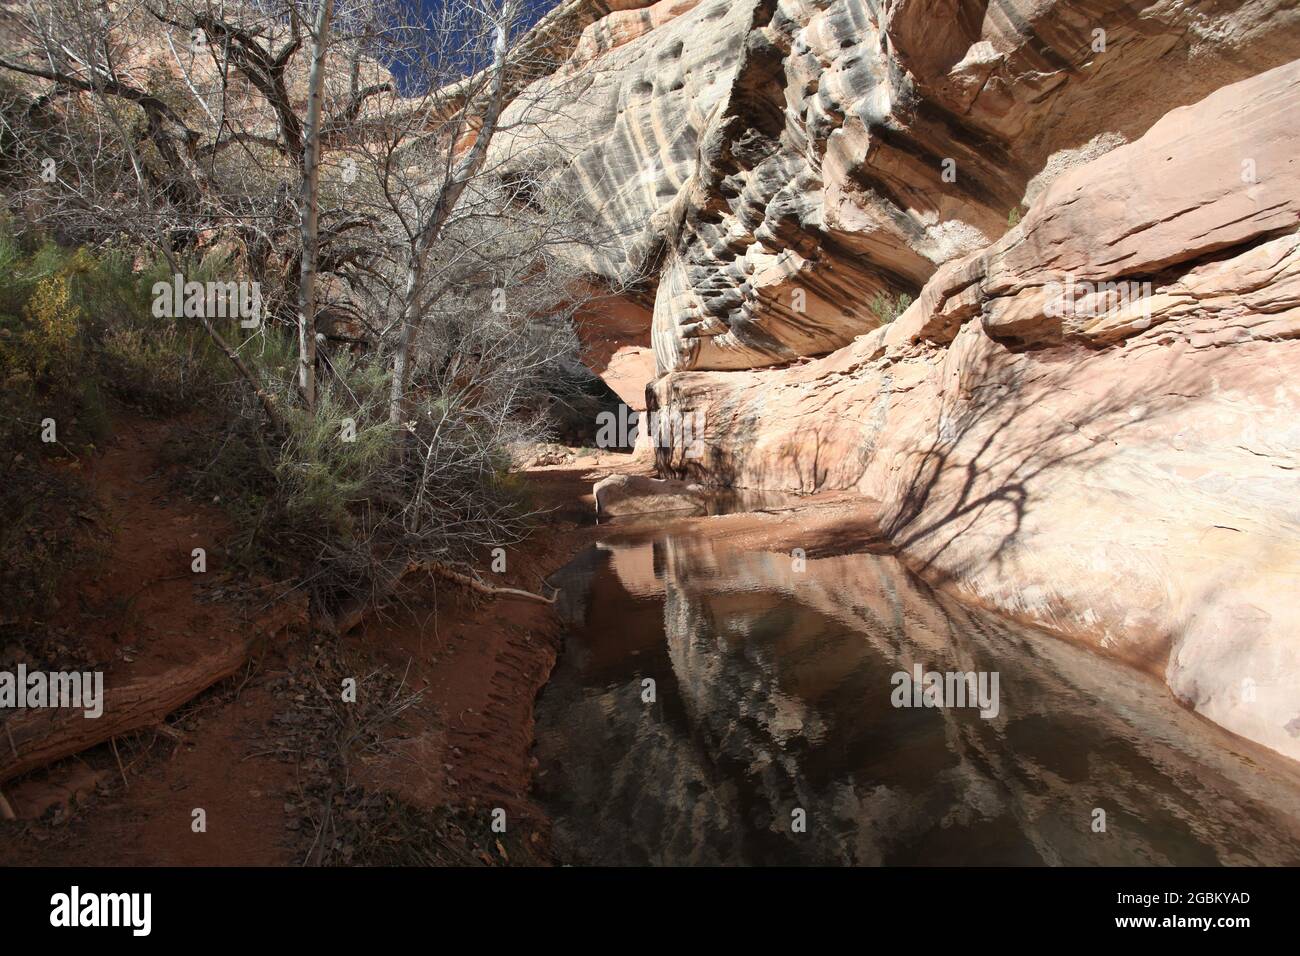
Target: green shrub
x,y
331,461
71,320
887,309
340,499
50,346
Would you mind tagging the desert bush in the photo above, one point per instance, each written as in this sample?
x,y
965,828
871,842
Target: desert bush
x,y
49,346
163,369
344,501
330,467
887,308
437,283
46,365
436,488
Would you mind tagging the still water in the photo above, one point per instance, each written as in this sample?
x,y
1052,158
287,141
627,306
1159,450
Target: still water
x,y
772,736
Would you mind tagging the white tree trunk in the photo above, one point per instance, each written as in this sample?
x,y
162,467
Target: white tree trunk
x,y
406,339
309,208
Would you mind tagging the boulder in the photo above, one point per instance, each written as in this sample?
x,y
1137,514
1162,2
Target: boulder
x,y
639,494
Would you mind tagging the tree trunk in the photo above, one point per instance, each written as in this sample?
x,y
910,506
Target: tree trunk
x,y
30,739
34,738
309,208
405,341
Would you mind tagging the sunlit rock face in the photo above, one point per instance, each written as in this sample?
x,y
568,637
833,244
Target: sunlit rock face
x,y
1125,470
771,168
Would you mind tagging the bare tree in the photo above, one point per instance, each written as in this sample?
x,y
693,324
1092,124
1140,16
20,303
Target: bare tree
x,y
433,216
412,244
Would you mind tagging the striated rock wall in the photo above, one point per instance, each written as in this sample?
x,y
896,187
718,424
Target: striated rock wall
x,y
773,167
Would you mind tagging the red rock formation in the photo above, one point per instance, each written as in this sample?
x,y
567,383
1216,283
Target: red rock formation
x,y
1088,417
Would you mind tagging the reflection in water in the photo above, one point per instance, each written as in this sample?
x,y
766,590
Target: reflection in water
x,y
772,694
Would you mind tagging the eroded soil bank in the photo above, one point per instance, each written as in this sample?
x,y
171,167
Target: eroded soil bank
x,y
281,769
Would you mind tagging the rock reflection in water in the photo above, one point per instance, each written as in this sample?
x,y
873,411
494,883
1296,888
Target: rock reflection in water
x,y
773,693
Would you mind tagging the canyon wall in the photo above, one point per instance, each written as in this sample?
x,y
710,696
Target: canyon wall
x,y
1125,472
1088,416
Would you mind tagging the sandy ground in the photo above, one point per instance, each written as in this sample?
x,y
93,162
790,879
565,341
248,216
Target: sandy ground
x,y
477,662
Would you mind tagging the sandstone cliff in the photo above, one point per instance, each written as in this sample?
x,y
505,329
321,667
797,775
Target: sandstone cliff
x,y
1088,415
773,166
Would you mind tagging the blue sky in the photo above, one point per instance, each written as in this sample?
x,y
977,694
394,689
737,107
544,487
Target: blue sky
x,y
408,81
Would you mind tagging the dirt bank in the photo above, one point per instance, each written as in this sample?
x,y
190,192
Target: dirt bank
x,y
283,773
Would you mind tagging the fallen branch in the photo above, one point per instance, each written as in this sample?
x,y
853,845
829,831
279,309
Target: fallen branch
x,y
351,616
442,571
39,737
43,736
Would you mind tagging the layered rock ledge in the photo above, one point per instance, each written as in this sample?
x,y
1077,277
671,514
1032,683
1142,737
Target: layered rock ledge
x,y
775,168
